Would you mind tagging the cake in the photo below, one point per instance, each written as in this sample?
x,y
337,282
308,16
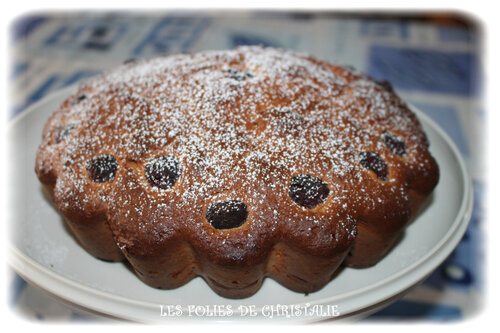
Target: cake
x,y
235,166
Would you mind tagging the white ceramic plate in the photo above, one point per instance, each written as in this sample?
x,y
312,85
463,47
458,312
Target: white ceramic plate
x,y
45,253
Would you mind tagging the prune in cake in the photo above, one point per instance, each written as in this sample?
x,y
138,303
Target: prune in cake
x,y
102,168
227,214
163,171
308,191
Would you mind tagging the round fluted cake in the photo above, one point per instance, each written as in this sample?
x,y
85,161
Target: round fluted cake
x,y
235,166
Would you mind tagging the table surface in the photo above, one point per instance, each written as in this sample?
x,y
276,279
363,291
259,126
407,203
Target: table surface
x,y
433,62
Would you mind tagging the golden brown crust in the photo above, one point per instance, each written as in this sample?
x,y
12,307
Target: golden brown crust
x,y
236,126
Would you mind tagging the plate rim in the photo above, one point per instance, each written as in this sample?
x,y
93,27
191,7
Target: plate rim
x,y
101,300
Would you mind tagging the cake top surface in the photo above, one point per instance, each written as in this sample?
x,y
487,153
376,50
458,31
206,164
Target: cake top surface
x,y
309,148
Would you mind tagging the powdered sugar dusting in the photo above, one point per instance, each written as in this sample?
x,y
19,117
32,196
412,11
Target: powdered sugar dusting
x,y
241,124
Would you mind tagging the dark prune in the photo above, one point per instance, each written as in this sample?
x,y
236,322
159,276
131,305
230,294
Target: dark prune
x,y
227,214
238,75
308,191
102,168
394,143
79,99
386,85
163,171
372,161
62,132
